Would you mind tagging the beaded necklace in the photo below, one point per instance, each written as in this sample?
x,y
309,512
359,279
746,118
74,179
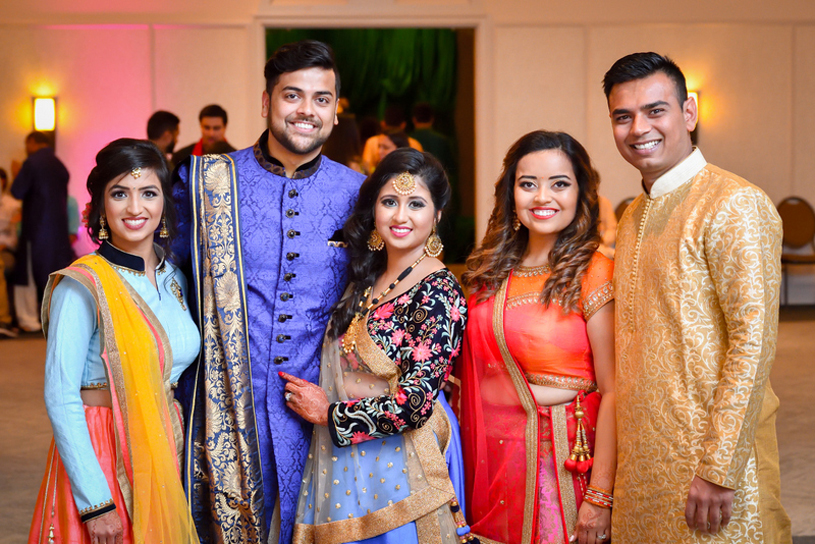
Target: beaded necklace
x,y
349,341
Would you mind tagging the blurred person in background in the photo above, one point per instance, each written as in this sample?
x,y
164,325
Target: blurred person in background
x,y
44,246
213,121
162,130
9,218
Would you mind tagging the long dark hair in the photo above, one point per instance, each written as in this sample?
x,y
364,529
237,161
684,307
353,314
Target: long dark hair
x,y
120,157
503,247
365,265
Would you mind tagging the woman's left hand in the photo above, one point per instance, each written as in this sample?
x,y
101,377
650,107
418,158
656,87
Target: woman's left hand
x,y
593,524
306,399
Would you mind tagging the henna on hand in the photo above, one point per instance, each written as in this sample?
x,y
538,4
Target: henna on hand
x,y
308,400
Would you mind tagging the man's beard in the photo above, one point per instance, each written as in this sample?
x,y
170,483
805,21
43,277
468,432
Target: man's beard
x,y
170,148
286,141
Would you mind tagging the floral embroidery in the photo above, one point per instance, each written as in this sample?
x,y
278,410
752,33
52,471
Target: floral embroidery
x,y
421,331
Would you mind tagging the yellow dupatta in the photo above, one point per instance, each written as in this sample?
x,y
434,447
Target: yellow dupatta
x,y
138,360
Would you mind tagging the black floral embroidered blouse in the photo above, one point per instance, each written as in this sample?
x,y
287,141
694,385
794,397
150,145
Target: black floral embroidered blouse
x,y
421,331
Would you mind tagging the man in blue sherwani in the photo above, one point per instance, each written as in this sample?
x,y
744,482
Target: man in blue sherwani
x,y
262,228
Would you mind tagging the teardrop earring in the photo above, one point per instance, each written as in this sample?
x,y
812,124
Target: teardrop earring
x,y
164,233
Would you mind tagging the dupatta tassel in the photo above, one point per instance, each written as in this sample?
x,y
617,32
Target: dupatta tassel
x,y
462,529
580,459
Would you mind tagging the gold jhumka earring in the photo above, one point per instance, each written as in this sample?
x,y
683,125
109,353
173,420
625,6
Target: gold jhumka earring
x,y
433,246
516,223
103,233
164,233
375,241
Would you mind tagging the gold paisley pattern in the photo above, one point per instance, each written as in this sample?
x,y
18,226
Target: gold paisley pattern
x,y
226,463
697,275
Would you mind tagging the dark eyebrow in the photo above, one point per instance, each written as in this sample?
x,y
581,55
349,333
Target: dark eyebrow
x,y
561,176
656,104
290,88
528,176
123,188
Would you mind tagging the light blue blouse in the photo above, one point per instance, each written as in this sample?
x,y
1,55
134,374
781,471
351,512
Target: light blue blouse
x,y
73,360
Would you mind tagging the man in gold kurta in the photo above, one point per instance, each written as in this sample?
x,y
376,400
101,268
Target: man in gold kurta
x,y
696,281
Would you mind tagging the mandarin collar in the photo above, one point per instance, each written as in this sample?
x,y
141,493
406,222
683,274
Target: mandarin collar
x,y
127,261
261,150
679,175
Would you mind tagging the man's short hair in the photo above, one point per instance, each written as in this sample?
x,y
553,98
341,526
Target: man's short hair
x,y
160,122
642,65
299,56
213,110
394,116
39,138
423,113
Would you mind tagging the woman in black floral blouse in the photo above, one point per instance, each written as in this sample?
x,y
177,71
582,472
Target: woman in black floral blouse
x,y
376,471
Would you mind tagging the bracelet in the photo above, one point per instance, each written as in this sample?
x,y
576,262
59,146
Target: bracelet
x,y
598,498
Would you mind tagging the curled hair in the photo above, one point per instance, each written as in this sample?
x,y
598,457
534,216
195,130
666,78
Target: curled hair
x,y
299,56
641,65
365,265
118,159
503,248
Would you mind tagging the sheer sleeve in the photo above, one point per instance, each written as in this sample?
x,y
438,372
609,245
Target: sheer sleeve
x,y
597,290
73,322
427,336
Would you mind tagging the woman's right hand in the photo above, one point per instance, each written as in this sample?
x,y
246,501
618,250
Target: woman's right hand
x,y
106,529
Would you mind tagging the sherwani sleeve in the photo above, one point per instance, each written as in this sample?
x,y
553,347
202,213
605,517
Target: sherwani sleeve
x,y
743,249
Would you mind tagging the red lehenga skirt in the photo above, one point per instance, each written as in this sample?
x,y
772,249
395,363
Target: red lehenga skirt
x,y
56,518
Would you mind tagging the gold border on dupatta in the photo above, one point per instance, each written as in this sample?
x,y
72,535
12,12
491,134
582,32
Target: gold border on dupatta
x,y
529,405
565,479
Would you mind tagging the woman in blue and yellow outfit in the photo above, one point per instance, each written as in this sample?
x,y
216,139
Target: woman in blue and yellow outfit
x,y
119,334
376,471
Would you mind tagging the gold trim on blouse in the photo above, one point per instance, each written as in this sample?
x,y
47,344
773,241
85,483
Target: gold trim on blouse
x,y
572,383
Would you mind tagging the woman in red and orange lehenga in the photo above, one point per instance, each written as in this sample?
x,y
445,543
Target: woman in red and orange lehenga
x,y
537,370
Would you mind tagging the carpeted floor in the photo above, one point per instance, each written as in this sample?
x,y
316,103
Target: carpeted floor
x,y
27,434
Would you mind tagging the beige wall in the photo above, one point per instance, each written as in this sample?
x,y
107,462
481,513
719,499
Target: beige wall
x,y
538,65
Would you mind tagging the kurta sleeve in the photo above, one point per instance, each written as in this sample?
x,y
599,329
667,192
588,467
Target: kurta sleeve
x,y
73,322
430,341
743,249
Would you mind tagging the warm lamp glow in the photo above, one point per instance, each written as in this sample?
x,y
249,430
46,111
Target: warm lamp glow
x,y
45,114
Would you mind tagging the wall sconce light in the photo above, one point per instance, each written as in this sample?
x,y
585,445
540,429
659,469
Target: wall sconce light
x,y
694,136
45,116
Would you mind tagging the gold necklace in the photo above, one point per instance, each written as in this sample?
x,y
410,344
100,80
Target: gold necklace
x,y
349,341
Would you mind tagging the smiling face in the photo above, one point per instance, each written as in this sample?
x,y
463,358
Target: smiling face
x,y
133,209
405,222
301,112
651,128
546,194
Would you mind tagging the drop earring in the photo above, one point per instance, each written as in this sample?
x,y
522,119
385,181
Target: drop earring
x,y
433,246
375,241
164,233
516,223
103,232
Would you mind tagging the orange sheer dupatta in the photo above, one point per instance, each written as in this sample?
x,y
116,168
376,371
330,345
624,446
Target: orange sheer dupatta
x,y
138,360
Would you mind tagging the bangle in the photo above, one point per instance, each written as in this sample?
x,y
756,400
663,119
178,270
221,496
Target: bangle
x,y
598,497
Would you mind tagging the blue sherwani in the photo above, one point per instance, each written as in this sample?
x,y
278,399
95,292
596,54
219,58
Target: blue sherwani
x,y
282,239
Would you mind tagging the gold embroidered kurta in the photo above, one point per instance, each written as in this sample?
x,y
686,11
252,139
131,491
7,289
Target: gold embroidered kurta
x,y
696,279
